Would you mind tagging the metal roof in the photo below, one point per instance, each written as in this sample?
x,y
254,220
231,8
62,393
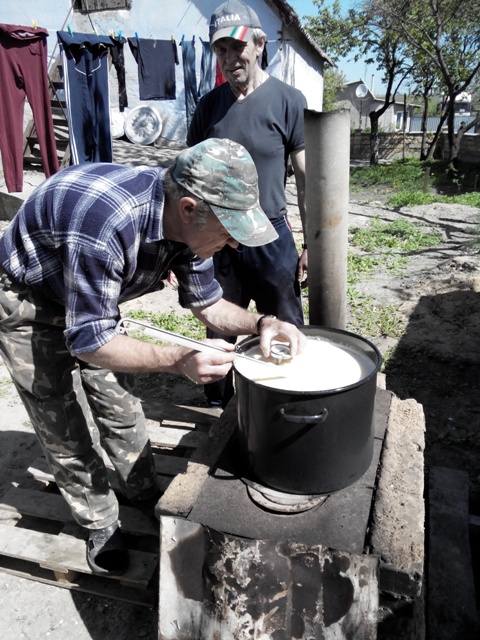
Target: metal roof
x,y
290,19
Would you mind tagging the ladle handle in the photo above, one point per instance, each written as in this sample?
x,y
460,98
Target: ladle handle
x,y
183,341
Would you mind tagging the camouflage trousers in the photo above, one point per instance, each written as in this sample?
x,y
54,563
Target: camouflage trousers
x,y
82,414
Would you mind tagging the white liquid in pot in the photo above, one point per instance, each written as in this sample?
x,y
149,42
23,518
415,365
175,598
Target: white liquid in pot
x,y
322,365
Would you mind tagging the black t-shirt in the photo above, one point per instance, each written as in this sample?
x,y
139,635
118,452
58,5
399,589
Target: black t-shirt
x,y
268,123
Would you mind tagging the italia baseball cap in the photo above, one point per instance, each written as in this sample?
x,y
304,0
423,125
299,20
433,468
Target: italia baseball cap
x,y
233,19
222,173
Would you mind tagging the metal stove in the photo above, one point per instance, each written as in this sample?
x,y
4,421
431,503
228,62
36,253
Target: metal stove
x,y
234,503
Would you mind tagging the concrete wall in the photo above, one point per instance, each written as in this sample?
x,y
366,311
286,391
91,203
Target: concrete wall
x,y
157,19
393,147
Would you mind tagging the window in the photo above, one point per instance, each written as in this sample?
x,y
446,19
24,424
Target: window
x,y
101,5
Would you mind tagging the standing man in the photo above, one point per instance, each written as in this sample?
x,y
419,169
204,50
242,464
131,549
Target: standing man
x,y
86,240
266,116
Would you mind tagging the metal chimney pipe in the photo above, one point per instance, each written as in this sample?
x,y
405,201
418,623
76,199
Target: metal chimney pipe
x,y
327,153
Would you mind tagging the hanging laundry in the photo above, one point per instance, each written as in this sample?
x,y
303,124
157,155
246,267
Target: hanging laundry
x,y
156,61
207,69
219,79
264,63
23,72
85,68
189,77
118,61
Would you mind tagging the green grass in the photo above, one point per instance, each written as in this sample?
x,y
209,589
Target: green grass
x,y
186,325
387,175
399,235
381,245
410,198
409,174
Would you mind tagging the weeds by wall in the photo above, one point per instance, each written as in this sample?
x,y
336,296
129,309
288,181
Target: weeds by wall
x,y
395,146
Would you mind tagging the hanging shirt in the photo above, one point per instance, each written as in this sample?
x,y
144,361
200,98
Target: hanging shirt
x,y
156,61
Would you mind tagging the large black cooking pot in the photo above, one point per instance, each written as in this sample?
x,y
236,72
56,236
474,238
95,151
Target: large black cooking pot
x,y
308,442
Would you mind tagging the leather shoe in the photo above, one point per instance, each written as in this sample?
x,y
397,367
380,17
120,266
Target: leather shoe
x,y
107,553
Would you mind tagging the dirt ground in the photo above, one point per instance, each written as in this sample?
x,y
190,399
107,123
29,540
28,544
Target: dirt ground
x,y
436,361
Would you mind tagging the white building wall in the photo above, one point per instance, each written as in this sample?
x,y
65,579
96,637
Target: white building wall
x,y
160,19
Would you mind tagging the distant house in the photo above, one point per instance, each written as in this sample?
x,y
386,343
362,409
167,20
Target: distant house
x,y
360,99
464,113
292,55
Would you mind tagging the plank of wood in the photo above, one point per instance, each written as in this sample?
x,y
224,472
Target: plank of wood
x,y
172,437
68,554
451,606
84,583
52,506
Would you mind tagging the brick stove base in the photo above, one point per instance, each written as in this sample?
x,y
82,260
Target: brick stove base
x,y
361,552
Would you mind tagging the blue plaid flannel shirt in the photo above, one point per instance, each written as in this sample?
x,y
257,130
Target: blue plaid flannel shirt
x,y
91,237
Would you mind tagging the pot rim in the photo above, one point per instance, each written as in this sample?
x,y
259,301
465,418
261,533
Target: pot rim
x,y
253,339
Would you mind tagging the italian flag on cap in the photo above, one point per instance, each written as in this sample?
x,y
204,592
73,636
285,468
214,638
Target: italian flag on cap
x,y
239,33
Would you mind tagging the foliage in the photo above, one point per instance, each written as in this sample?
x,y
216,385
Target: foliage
x,y
443,35
334,81
357,35
435,45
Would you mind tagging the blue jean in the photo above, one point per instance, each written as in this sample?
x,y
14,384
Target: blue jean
x,y
266,275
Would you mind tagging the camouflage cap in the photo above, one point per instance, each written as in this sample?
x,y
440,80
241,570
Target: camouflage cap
x,y
222,173
233,19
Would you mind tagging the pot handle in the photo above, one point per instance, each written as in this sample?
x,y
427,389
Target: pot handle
x,y
321,417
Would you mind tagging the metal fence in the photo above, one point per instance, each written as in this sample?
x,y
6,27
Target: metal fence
x,y
433,121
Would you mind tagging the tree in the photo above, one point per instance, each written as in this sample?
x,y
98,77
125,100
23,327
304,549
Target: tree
x,y
426,80
447,34
333,81
355,35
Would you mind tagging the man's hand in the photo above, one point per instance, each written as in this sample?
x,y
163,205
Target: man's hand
x,y
302,267
274,329
204,367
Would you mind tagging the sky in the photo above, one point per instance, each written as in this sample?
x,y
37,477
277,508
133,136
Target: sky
x,y
353,70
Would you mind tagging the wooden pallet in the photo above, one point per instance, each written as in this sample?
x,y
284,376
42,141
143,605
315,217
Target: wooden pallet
x,y
40,541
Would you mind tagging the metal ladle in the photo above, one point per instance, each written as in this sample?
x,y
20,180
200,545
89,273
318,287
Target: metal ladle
x,y
280,352
197,345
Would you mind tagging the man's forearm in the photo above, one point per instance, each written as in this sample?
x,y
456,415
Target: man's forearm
x,y
227,318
